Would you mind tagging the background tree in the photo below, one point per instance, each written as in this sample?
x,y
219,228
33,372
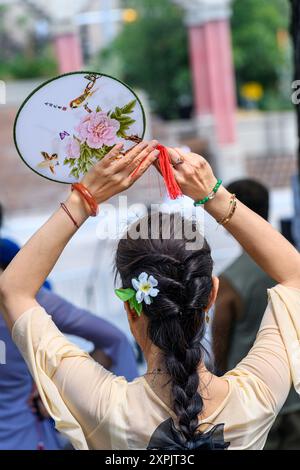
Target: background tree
x,y
258,54
152,54
29,58
295,33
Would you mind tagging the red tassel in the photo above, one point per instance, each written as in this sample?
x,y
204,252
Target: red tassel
x,y
167,173
172,186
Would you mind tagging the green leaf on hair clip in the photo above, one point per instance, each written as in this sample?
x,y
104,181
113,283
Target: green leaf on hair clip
x,y
125,294
130,296
134,305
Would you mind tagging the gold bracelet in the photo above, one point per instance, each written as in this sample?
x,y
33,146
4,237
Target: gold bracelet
x,y
231,211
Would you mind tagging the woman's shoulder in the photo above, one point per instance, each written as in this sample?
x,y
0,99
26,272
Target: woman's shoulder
x,y
285,292
248,390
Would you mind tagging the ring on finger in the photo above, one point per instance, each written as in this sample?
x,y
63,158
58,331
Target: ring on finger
x,y
179,161
117,157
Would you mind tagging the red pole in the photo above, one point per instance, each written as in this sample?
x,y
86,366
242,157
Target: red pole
x,y
68,52
213,76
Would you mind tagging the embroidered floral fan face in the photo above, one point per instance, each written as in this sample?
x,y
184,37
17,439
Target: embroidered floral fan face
x,y
72,121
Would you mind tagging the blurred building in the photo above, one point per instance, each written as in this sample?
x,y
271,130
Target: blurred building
x,y
23,23
21,191
99,23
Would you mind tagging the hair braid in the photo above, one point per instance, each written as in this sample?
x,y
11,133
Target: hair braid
x,y
176,318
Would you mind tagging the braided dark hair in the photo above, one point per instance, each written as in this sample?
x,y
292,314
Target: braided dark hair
x,y
176,317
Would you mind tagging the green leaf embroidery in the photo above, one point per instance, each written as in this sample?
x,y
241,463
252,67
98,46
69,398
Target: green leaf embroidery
x,y
121,134
121,115
89,151
89,156
128,108
126,120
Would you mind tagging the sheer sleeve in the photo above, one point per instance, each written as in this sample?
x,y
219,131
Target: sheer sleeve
x,y
275,356
104,335
74,388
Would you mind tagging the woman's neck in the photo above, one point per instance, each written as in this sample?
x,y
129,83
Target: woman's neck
x,y
212,389
155,362
154,359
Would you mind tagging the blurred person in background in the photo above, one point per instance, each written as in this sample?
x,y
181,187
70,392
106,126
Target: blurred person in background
x,y
238,314
24,422
1,216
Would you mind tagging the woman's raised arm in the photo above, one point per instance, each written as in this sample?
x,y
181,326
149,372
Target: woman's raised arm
x,y
269,249
23,278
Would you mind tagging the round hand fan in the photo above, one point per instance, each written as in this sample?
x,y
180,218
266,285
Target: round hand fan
x,y
72,121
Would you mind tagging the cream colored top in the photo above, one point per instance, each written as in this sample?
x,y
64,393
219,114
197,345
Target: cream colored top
x,y
97,410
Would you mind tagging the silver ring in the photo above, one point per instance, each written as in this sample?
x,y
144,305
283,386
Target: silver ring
x,y
179,161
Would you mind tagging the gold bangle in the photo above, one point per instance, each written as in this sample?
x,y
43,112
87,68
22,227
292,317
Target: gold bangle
x,y
231,211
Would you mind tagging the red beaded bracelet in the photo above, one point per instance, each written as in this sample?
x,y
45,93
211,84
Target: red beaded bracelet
x,y
84,192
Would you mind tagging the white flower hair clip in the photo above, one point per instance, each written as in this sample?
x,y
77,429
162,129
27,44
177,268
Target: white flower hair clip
x,y
144,290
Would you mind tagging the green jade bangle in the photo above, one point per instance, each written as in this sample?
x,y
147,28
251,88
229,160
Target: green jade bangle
x,y
210,196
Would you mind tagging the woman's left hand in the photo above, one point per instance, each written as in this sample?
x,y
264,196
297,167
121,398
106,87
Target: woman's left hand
x,y
29,269
116,172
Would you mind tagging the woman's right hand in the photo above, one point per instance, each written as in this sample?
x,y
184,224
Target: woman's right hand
x,y
116,172
193,173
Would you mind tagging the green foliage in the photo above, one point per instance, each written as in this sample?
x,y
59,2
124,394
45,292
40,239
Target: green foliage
x,y
21,66
152,54
273,101
32,59
257,54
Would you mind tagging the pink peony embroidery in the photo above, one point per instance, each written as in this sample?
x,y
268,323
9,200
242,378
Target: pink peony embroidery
x,y
97,129
72,148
